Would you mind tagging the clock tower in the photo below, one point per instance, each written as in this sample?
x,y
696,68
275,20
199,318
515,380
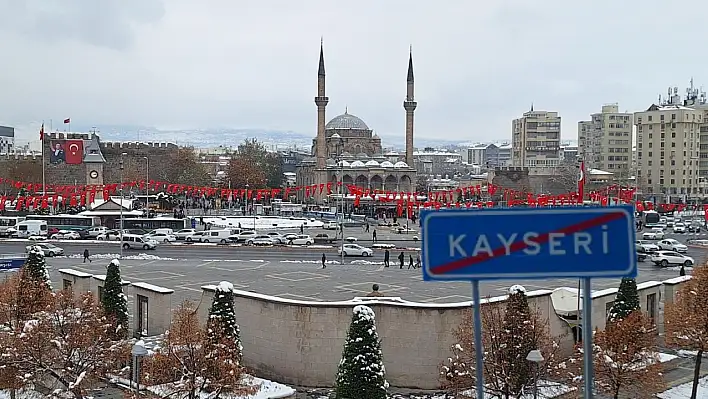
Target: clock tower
x,y
94,161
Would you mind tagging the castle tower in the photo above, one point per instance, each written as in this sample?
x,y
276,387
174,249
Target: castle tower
x,y
409,105
321,101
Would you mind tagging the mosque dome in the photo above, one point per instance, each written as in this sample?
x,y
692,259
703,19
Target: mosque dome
x,y
386,164
346,121
357,164
400,165
372,163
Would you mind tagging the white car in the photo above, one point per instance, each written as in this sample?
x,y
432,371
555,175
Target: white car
x,y
331,225
355,250
672,245
48,249
679,227
302,239
243,237
196,237
351,240
95,231
665,258
646,246
654,234
184,233
161,237
261,240
65,235
277,238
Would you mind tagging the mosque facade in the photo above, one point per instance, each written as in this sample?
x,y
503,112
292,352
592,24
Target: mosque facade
x,y
347,150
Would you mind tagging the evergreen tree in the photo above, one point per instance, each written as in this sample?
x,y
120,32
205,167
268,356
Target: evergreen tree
x,y
222,320
361,372
35,269
114,301
34,286
626,302
519,338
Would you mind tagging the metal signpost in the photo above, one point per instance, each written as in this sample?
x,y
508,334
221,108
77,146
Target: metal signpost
x,y
529,243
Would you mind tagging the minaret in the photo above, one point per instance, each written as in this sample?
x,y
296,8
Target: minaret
x,y
321,101
409,105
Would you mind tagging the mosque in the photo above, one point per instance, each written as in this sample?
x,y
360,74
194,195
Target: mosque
x,y
347,150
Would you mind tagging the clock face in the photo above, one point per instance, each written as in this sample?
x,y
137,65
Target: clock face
x,y
93,174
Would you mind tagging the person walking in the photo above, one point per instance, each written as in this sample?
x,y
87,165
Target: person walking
x,y
86,256
410,262
400,260
367,227
302,229
373,235
387,255
682,271
324,261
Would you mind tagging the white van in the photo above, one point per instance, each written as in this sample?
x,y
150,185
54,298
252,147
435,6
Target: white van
x,y
220,236
28,228
134,241
168,232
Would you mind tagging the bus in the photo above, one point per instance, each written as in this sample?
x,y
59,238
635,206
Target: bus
x,y
150,224
7,223
651,218
68,222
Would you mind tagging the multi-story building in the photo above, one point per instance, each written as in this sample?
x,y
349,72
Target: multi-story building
x,y
569,153
7,139
668,147
605,141
535,140
431,161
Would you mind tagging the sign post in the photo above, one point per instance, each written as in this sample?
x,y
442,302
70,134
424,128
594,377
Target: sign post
x,y
529,243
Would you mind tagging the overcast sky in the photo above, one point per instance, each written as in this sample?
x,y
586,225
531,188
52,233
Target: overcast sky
x,y
246,64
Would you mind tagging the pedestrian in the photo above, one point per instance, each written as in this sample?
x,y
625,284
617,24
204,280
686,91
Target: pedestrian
x,y
682,272
324,261
386,258
86,256
302,229
410,262
374,235
375,291
418,262
239,225
367,227
400,260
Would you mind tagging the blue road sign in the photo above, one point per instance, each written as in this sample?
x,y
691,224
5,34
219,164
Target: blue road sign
x,y
490,244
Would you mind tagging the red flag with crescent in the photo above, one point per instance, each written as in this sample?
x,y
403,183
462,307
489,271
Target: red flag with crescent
x,y
74,151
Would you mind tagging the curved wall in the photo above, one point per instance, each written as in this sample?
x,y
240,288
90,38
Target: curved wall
x,y
300,343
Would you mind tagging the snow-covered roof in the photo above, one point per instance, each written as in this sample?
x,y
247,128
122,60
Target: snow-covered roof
x,y
372,163
126,203
400,165
386,164
110,213
357,164
599,172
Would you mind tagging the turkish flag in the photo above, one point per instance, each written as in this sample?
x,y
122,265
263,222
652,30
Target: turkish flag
x,y
74,151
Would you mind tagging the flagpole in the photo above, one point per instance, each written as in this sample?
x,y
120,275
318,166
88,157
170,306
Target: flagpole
x,y
41,144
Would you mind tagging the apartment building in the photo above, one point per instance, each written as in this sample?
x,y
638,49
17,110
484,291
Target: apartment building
x,y
535,140
489,155
7,139
605,141
668,148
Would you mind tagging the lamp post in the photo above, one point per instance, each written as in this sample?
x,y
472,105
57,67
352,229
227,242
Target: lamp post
x,y
147,185
137,351
121,203
536,357
340,192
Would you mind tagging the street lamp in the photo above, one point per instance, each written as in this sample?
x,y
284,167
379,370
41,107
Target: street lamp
x,y
137,351
340,191
147,185
536,357
121,203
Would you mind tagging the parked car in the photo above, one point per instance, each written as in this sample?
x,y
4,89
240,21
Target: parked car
x,y
672,245
260,240
302,239
182,234
331,225
161,237
218,236
641,256
48,249
277,238
654,234
679,228
646,246
665,258
290,236
52,230
243,237
93,232
132,241
111,235
66,235
196,237
355,250
324,238
351,240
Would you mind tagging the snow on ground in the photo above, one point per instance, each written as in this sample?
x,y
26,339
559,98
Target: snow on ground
x,y
141,256
666,357
21,394
365,262
315,246
546,390
267,390
327,262
263,222
383,246
683,391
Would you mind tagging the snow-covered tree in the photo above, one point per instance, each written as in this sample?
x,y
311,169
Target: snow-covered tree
x,y
187,364
35,287
686,320
626,302
361,372
625,359
36,268
63,349
222,324
114,301
509,333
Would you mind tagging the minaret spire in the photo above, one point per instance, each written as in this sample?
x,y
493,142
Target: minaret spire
x,y
321,100
321,69
410,105
410,65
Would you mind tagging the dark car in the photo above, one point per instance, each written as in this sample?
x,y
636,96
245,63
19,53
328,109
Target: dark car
x,y
323,238
694,228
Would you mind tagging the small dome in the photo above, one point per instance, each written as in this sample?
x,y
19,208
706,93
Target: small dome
x,y
344,164
400,165
346,154
362,155
330,162
372,163
346,121
357,164
386,164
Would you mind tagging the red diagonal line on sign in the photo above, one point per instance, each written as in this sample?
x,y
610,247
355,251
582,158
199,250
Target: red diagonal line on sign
x,y
520,245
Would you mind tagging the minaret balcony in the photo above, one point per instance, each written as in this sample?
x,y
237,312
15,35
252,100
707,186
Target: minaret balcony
x,y
321,101
410,105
